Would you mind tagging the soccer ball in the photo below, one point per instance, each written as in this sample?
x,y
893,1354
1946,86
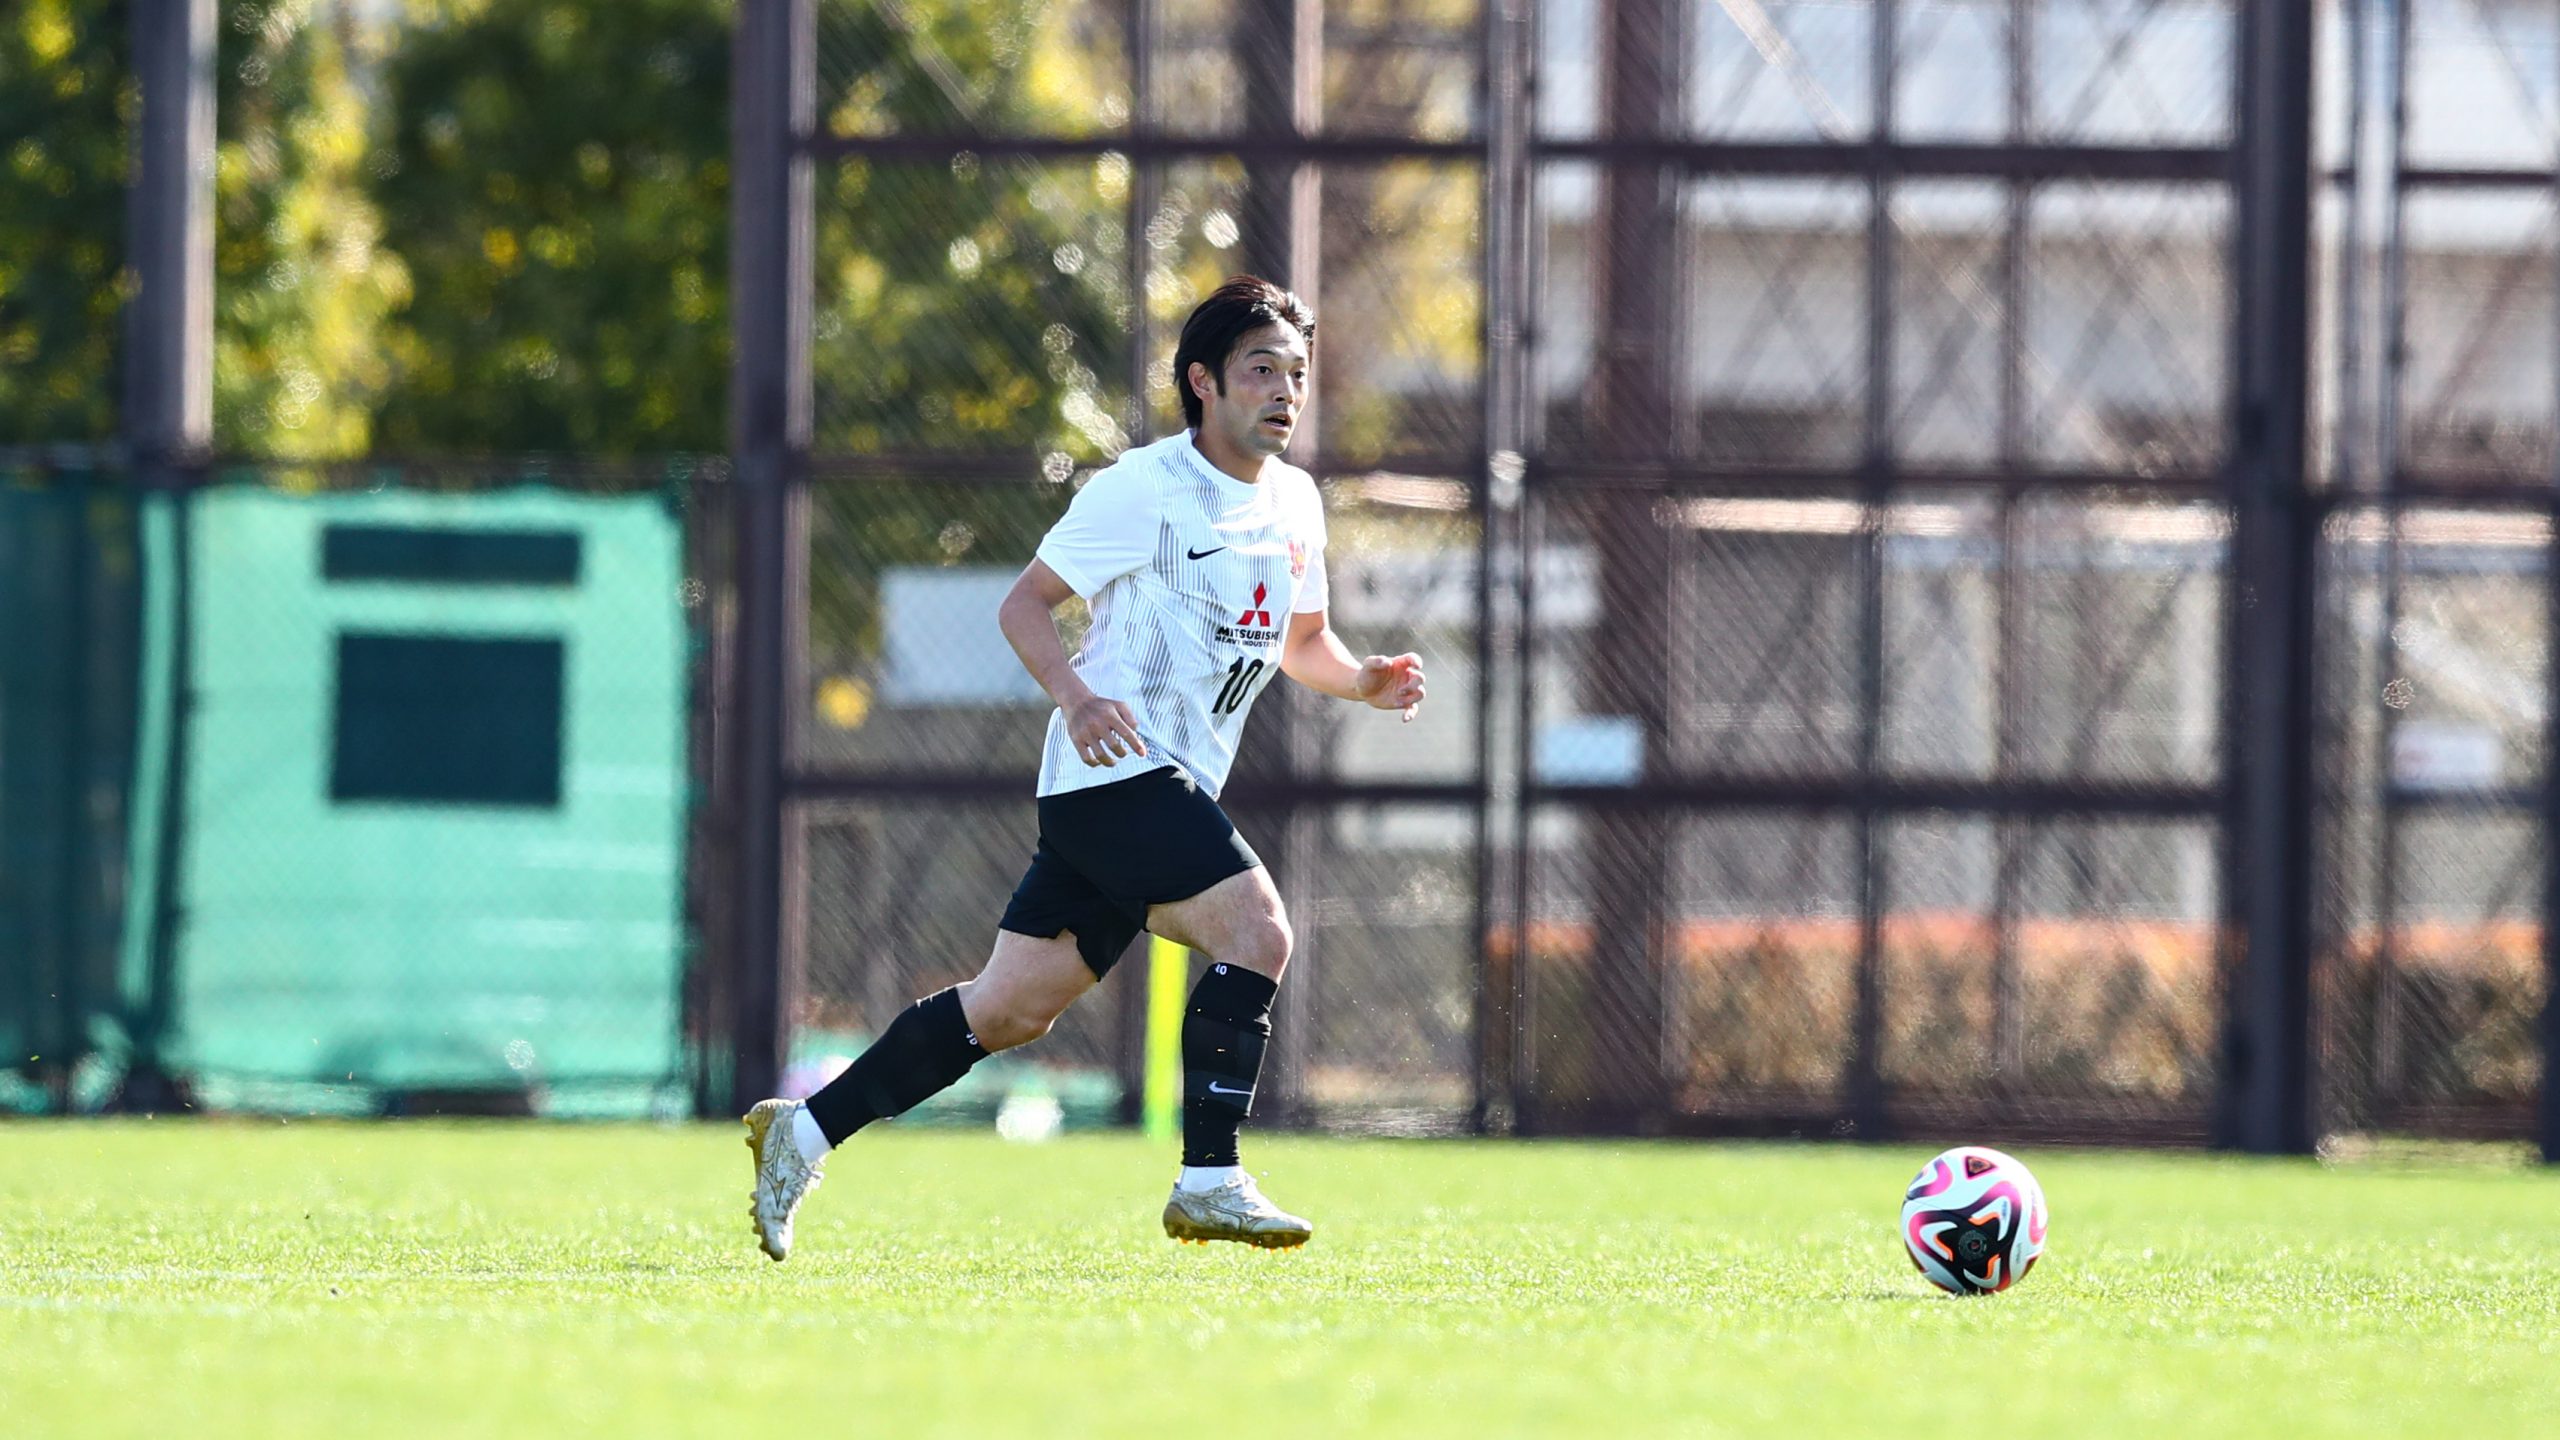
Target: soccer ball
x,y
1973,1221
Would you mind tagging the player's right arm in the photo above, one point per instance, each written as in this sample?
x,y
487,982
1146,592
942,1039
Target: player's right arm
x,y
1109,530
1101,729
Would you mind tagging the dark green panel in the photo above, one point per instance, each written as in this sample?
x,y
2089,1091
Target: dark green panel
x,y
447,719
68,607
448,555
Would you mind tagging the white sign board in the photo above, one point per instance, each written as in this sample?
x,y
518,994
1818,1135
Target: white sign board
x,y
1436,589
1589,750
2446,755
941,644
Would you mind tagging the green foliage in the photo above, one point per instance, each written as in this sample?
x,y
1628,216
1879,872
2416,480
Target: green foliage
x,y
489,227
1400,298
65,115
557,179
973,305
302,284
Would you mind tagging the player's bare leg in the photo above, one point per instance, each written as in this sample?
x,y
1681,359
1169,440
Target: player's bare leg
x,y
1240,924
1027,984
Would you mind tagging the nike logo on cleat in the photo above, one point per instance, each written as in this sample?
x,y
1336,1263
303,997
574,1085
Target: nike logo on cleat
x,y
1217,1089
1203,554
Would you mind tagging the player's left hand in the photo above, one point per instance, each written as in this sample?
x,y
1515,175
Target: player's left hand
x,y
1391,682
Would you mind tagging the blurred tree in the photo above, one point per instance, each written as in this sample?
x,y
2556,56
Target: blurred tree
x,y
1403,253
970,304
65,113
557,180
494,227
302,283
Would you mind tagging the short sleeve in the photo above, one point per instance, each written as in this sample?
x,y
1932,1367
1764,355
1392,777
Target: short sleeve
x,y
1109,530
1313,591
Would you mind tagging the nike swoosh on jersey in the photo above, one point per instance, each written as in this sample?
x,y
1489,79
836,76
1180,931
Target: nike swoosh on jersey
x,y
1203,554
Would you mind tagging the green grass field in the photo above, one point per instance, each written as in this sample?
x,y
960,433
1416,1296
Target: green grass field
x,y
256,1278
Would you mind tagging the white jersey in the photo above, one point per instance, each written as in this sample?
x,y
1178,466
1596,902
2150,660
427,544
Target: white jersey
x,y
1192,575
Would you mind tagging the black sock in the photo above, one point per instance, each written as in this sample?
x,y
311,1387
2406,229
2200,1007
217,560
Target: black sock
x,y
1223,1035
922,1052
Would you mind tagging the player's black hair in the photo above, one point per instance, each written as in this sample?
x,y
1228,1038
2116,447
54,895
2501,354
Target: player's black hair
x,y
1245,303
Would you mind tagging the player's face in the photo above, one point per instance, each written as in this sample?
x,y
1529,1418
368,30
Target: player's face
x,y
1266,390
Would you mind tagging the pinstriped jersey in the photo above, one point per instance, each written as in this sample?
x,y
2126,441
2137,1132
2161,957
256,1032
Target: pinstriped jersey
x,y
1192,575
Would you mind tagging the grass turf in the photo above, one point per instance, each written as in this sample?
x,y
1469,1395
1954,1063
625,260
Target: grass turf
x,y
264,1279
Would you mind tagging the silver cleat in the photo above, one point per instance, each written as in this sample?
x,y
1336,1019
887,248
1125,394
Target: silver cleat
x,y
783,1179
1234,1211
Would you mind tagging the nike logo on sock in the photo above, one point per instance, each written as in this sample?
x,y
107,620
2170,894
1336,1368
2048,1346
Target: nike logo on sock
x,y
1203,554
1217,1089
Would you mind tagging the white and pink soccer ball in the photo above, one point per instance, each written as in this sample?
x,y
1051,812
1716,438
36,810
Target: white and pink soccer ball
x,y
1973,1221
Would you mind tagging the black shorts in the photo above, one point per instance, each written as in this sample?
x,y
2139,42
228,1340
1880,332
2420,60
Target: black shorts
x,y
1108,853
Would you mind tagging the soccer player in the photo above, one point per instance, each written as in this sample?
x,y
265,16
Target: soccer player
x,y
1202,556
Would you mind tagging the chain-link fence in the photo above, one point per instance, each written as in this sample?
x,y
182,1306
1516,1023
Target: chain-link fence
x,y
71,601
919,728
378,782
2031,921
1846,406
1822,450
347,785
2437,573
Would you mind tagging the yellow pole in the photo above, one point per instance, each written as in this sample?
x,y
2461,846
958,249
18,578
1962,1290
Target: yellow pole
x,y
1168,965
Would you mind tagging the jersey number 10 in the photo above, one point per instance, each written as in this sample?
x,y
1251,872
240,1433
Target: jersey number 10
x,y
1240,678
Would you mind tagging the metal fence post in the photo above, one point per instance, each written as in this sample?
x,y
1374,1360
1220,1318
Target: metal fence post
x,y
166,418
2548,1120
1634,400
2266,1081
1866,1088
774,100
1280,63
1500,562
168,339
